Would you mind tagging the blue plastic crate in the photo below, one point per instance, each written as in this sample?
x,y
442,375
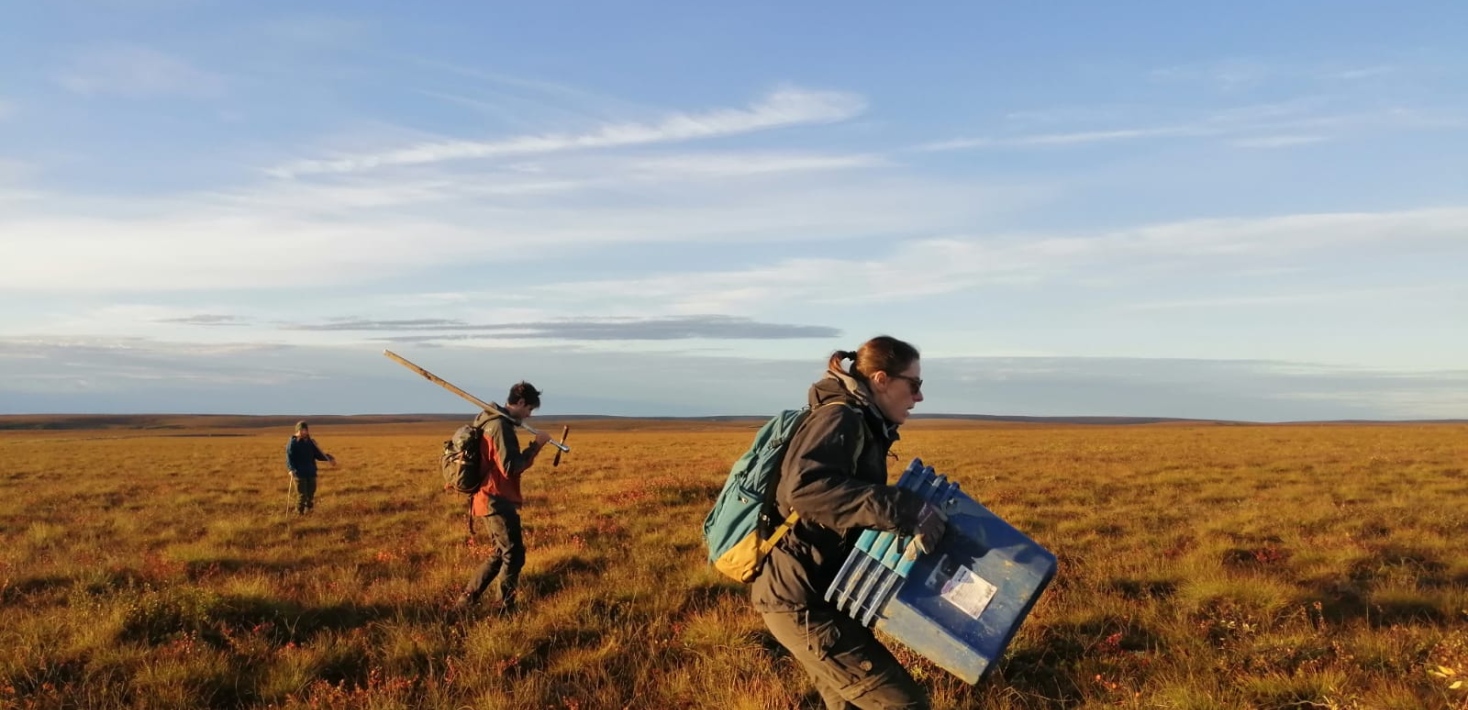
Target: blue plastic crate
x,y
959,605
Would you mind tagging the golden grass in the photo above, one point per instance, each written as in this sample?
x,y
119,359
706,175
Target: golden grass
x,y
1202,566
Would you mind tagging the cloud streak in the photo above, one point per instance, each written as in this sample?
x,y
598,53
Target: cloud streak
x,y
206,319
352,229
136,72
928,267
714,327
782,108
143,376
1267,126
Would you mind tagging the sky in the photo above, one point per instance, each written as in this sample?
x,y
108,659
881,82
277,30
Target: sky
x,y
1252,211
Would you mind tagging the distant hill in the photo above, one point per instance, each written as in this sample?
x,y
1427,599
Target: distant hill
x,y
61,422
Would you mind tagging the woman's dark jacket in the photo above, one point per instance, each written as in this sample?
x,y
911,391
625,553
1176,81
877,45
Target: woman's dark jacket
x,y
836,499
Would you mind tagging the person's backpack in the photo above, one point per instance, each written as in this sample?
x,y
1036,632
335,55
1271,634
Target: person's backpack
x,y
738,530
462,463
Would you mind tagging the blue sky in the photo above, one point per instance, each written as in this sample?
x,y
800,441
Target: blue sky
x,y
1254,211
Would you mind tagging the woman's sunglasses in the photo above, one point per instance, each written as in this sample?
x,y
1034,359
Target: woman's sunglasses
x,y
915,382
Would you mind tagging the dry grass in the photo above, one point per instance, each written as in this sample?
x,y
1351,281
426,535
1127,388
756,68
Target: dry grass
x,y
1202,566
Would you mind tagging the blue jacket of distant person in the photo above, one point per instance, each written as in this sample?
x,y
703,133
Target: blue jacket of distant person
x,y
301,456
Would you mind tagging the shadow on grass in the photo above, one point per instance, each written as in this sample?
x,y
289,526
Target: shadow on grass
x,y
1347,599
1046,666
52,673
159,619
1141,589
31,591
1399,560
1268,558
702,597
682,495
562,574
200,569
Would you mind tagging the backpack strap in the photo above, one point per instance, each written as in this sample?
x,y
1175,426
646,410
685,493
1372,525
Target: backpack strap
x,y
861,435
768,544
485,416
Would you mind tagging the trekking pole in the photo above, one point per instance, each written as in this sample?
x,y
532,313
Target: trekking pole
x,y
290,491
486,406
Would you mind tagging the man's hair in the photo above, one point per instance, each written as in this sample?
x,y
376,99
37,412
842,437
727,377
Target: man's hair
x,y
302,425
524,392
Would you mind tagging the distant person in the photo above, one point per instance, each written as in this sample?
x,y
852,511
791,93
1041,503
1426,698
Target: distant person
x,y
835,475
498,501
301,455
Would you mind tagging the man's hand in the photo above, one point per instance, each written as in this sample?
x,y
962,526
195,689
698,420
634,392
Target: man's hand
x,y
541,438
331,459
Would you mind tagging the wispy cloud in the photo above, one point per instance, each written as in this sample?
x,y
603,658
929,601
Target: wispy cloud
x,y
1225,75
919,268
1266,126
1280,299
694,165
1281,141
206,319
714,327
136,72
141,375
786,107
14,187
1362,72
536,94
315,29
1239,74
1070,138
374,226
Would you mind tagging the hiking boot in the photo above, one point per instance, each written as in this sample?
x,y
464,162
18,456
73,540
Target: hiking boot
x,y
465,601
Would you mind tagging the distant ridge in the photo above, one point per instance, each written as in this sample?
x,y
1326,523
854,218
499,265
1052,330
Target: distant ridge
x,y
41,422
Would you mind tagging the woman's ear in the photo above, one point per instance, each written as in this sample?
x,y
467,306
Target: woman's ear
x,y
880,380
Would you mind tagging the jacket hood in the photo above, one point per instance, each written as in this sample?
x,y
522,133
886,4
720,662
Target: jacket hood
x,y
838,385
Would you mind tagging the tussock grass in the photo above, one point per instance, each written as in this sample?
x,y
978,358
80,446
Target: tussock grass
x,y
1202,566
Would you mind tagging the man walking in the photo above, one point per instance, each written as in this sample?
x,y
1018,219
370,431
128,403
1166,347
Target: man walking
x,y
498,501
301,455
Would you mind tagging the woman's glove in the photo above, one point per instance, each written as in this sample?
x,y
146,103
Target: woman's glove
x,y
922,520
931,524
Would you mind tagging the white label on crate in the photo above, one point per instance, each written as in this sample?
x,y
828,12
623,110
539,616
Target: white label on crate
x,y
969,592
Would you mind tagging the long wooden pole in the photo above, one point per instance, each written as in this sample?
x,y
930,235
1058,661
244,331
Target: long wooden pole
x,y
486,406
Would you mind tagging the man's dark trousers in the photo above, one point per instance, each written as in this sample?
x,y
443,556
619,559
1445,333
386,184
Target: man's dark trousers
x,y
503,527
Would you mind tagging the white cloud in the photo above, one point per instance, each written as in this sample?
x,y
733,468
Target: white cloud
x,y
741,164
1279,299
786,107
1251,126
1363,72
343,229
13,178
926,267
315,30
197,252
136,72
133,375
1280,141
1225,75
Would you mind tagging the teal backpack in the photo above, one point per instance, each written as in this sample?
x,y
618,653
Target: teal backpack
x,y
737,531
